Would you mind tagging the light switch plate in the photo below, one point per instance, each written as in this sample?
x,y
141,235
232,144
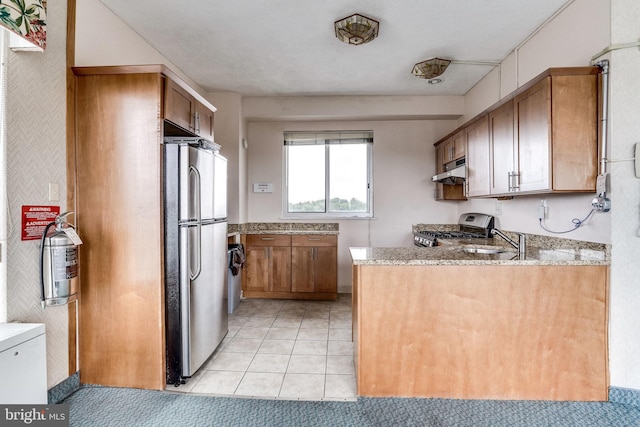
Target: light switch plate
x,y
54,191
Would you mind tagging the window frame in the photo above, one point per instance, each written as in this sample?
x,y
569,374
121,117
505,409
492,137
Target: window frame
x,y
327,214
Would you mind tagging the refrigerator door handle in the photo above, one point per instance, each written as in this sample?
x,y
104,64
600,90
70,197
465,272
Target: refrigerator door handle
x,y
195,264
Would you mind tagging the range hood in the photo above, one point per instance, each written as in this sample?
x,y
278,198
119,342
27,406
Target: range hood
x,y
454,173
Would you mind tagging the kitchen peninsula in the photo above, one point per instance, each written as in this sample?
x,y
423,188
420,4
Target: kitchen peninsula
x,y
443,322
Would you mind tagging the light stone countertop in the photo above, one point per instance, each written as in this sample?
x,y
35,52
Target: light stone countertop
x,y
285,228
454,254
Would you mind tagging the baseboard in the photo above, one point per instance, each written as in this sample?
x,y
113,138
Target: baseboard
x,y
624,396
64,389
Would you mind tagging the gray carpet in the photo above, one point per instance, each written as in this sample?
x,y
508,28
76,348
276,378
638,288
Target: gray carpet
x,y
104,406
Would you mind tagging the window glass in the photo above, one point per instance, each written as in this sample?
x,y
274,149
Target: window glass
x,y
348,178
328,174
306,178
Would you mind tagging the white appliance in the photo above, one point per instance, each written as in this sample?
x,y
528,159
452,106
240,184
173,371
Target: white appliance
x,y
195,205
23,364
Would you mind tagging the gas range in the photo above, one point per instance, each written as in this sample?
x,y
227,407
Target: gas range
x,y
471,226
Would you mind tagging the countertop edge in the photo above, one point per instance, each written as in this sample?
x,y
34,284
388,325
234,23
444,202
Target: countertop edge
x,y
452,255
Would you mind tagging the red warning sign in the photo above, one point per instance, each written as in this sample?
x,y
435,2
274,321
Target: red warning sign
x,y
35,219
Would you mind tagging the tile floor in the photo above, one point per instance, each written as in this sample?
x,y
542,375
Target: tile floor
x,y
283,349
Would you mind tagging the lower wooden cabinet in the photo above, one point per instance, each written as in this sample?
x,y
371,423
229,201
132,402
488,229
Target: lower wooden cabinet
x,y
268,265
290,267
510,332
314,261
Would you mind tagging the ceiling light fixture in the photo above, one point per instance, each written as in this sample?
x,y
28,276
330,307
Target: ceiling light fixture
x,y
430,68
356,29
433,67
435,81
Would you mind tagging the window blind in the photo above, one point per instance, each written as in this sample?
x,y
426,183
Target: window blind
x,y
326,138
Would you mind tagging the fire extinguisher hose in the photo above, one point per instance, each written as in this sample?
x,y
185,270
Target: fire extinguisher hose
x,y
44,237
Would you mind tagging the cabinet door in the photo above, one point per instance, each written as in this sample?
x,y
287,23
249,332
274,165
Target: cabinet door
x,y
203,121
454,148
501,141
257,268
440,150
24,373
302,269
314,269
477,160
326,269
533,120
280,257
178,105
439,191
574,107
314,263
459,146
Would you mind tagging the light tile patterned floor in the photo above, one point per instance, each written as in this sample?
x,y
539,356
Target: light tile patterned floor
x,y
283,349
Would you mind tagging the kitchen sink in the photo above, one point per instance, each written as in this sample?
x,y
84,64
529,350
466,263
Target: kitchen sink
x,y
482,250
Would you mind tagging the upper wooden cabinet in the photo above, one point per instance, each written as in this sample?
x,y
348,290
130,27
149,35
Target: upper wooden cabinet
x,y
477,161
183,109
454,147
203,121
543,138
556,123
445,153
502,152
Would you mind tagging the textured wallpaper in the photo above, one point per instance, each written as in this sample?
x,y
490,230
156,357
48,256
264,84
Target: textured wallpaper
x,y
36,154
625,198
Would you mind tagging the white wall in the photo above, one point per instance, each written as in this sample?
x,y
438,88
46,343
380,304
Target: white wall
x,y
624,345
404,162
36,156
229,132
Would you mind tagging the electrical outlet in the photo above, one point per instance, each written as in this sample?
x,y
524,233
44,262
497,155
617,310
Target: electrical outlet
x,y
498,207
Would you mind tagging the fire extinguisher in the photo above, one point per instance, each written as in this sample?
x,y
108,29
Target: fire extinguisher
x,y
59,262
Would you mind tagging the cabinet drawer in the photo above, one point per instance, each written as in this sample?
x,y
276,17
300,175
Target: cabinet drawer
x,y
314,240
268,240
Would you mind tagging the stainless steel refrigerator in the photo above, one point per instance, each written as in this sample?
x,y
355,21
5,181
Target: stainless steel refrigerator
x,y
195,253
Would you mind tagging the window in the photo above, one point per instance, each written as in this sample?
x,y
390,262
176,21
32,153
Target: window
x,y
328,174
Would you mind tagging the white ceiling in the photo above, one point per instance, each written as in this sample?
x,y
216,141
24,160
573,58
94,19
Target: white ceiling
x,y
288,47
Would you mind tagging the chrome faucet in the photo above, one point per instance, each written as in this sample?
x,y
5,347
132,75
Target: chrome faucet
x,y
520,245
